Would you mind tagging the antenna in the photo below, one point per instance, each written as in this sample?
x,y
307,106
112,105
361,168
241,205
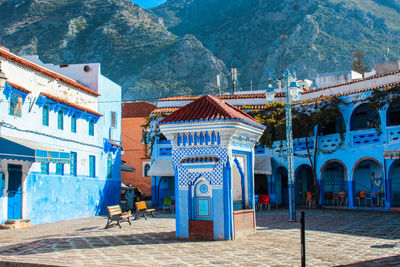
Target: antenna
x,y
219,84
234,74
283,36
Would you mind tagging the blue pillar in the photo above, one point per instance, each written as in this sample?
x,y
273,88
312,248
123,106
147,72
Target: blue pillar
x,y
350,186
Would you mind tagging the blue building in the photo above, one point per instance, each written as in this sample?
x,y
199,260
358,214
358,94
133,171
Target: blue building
x,y
59,140
358,169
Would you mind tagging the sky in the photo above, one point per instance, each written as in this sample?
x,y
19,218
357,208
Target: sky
x,y
149,3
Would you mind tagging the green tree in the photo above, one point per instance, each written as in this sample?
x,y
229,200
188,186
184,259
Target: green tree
x,y
358,62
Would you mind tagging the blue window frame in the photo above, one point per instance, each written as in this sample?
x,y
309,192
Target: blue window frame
x,y
73,170
60,169
60,120
92,166
91,128
73,124
16,105
109,165
44,168
45,120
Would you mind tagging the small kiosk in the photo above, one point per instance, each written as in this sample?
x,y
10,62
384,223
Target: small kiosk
x,y
213,157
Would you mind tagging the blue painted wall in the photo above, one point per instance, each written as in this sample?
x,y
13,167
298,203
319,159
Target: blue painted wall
x,y
52,198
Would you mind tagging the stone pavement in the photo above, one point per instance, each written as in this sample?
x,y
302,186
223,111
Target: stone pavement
x,y
333,237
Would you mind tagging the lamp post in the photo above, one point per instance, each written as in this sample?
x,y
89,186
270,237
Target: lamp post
x,y
292,93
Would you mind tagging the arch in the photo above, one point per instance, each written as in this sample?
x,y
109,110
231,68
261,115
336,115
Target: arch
x,y
333,182
365,158
394,181
335,124
393,114
334,160
304,182
368,176
364,118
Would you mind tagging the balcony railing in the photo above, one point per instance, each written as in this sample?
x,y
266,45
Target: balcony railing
x,y
363,137
393,133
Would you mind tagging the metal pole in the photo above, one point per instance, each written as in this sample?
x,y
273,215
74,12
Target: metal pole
x,y
289,145
303,240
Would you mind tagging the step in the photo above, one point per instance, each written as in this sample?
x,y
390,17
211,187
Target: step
x,y
16,224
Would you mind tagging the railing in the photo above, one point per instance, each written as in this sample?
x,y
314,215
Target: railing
x,y
393,133
163,142
330,142
365,137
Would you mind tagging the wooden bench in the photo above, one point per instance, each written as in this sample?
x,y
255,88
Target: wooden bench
x,y
141,210
115,214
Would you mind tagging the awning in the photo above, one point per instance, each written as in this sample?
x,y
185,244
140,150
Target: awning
x,y
161,167
263,166
21,149
127,168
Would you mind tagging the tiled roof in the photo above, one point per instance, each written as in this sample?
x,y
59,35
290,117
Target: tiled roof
x,y
19,88
241,107
62,101
208,108
188,98
200,159
5,54
139,109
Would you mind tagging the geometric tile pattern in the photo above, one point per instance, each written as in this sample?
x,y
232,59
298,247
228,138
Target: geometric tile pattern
x,y
214,177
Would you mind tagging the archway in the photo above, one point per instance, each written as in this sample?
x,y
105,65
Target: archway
x,y
368,177
281,186
304,183
394,177
333,125
333,176
393,114
364,118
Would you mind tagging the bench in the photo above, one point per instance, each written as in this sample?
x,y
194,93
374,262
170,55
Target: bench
x,y
115,214
141,210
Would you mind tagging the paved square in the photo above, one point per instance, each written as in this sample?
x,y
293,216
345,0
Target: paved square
x,y
333,237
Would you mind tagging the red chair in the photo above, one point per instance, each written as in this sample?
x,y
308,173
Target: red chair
x,y
264,200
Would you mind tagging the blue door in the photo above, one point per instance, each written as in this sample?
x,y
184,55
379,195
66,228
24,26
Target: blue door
x,y
14,192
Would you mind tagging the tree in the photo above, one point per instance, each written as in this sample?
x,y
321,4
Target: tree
x,y
305,118
358,62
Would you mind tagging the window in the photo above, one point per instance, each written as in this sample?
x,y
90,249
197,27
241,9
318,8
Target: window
x,y
16,105
109,165
60,120
44,168
92,166
73,124
73,164
91,128
113,119
60,169
45,120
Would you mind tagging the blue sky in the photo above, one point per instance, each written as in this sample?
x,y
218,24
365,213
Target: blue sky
x,y
149,3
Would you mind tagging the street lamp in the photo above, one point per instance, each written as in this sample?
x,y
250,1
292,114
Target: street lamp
x,y
3,78
292,93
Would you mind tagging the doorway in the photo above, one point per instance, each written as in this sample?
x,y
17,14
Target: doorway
x,y
14,191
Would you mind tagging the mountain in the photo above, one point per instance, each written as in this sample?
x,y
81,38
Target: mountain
x,y
134,47
321,35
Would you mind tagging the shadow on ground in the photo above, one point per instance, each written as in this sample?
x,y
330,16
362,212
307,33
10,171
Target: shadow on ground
x,y
377,224
387,261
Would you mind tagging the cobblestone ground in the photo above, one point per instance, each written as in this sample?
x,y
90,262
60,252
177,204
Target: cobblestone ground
x,y
333,237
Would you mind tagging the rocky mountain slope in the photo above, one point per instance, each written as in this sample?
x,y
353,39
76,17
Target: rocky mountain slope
x,y
135,48
321,35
